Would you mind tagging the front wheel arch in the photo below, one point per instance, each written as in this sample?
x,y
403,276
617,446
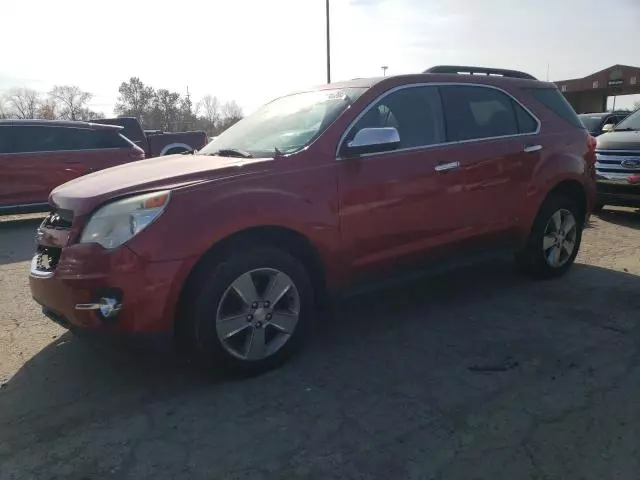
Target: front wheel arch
x,y
292,242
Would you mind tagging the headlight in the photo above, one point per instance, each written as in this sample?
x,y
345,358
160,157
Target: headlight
x,y
119,221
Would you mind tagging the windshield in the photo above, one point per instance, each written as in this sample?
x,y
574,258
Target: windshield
x,y
591,122
287,124
632,122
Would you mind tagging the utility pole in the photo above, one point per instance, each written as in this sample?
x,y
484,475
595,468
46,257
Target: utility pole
x,y
384,71
547,71
328,47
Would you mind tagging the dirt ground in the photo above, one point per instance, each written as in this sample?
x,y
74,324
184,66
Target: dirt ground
x,y
478,374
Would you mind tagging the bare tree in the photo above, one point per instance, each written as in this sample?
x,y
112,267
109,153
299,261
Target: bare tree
x,y
4,108
71,101
231,110
48,110
231,113
209,109
23,102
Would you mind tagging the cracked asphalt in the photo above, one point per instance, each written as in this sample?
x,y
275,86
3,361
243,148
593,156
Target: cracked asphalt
x,y
477,374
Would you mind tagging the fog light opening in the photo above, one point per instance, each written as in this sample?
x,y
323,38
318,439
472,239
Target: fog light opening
x,y
109,307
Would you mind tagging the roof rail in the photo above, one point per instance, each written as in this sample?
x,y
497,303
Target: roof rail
x,y
458,69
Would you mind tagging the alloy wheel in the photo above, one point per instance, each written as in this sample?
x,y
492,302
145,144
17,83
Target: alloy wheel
x,y
258,313
559,241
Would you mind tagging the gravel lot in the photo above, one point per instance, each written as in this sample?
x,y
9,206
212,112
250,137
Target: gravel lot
x,y
479,374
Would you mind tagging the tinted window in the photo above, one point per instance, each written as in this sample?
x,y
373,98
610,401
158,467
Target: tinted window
x,y
416,113
25,139
84,139
477,112
554,100
4,140
591,122
526,123
38,139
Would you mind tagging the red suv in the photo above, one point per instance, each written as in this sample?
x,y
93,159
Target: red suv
x,y
38,155
232,248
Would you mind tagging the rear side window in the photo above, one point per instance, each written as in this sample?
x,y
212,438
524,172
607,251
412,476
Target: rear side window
x,y
526,123
478,112
554,100
38,139
4,139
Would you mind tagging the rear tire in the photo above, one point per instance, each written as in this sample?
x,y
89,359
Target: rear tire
x,y
555,238
252,312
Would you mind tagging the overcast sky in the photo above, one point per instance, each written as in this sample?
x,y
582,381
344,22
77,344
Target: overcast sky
x,y
254,50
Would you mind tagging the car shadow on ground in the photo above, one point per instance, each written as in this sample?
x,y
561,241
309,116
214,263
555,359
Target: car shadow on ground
x,y
17,238
435,330
624,218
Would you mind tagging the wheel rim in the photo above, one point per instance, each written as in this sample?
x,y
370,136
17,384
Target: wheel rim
x,y
258,313
559,240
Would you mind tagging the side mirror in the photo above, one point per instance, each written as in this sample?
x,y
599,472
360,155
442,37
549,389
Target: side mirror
x,y
608,127
373,140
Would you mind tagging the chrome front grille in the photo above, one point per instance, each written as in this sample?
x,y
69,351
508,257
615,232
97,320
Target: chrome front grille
x,y
45,261
617,164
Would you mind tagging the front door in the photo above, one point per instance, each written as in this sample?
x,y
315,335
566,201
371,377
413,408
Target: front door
x,y
395,206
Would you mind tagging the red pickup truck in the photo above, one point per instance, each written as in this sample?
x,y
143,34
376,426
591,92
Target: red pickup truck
x,y
156,142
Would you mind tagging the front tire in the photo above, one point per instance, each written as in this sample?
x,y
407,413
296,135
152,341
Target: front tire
x,y
555,238
252,312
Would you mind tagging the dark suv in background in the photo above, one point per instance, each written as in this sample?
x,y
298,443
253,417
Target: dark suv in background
x,y
229,250
38,155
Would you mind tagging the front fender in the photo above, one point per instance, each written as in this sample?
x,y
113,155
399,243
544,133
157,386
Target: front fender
x,y
202,215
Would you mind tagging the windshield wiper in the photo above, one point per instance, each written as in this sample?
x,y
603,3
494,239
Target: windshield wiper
x,y
232,152
627,129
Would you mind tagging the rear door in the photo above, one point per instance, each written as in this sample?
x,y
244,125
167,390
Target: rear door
x,y
494,138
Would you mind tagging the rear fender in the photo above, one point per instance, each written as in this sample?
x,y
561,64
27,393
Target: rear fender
x,y
549,173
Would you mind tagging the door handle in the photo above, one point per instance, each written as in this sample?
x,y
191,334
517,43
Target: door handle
x,y
532,148
444,167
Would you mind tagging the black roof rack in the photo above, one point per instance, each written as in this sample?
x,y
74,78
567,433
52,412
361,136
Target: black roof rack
x,y
457,69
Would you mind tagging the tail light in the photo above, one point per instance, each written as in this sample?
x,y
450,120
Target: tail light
x,y
591,155
591,144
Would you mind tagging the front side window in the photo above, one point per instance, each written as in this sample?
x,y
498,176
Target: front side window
x,y
591,122
287,124
630,123
479,112
416,112
85,139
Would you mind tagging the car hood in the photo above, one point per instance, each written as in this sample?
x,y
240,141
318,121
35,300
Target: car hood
x,y
84,194
619,141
